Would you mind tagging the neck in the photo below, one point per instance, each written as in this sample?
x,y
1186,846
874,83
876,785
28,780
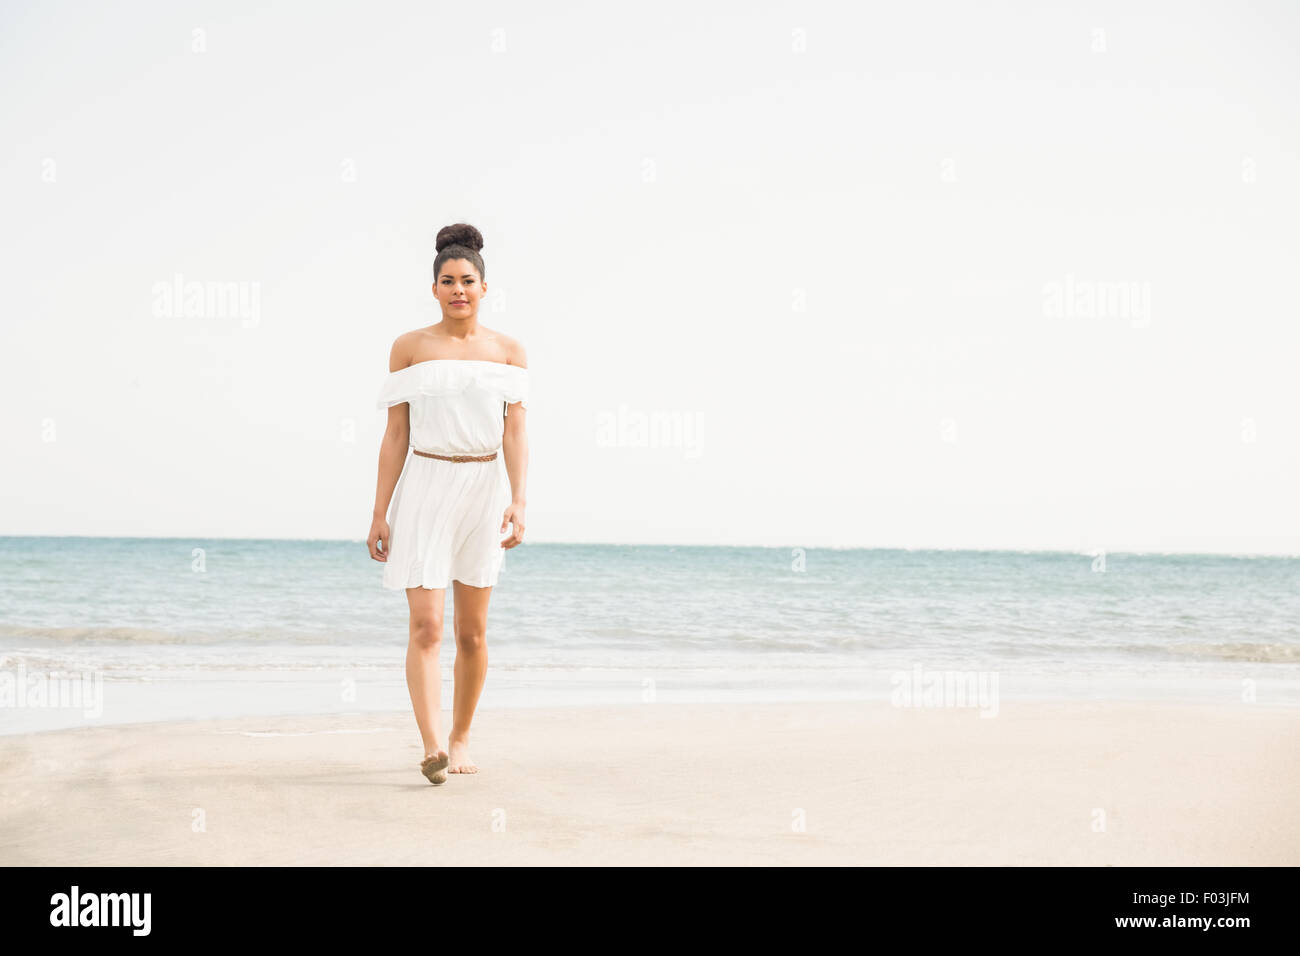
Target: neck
x,y
459,328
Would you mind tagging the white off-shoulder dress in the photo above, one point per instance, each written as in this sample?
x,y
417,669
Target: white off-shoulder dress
x,y
444,522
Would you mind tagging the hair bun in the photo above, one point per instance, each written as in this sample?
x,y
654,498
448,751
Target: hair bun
x,y
461,234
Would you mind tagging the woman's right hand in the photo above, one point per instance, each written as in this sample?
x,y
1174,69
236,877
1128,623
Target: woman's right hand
x,y
378,532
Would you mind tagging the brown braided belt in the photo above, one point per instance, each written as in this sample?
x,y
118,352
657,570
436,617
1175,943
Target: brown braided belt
x,y
429,454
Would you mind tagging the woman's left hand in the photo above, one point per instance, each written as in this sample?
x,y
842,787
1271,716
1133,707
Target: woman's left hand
x,y
514,516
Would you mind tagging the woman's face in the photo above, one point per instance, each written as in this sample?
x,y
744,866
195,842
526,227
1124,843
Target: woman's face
x,y
458,289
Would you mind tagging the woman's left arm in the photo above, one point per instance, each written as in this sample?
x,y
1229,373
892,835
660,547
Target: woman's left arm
x,y
514,445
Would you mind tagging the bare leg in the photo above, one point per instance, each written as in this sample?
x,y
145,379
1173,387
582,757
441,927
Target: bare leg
x,y
471,670
423,675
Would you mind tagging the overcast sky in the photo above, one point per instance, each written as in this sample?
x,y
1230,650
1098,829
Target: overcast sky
x,y
911,275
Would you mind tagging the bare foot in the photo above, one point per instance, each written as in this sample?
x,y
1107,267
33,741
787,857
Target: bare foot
x,y
434,766
460,761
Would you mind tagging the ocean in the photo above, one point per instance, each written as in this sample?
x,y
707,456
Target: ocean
x,y
98,631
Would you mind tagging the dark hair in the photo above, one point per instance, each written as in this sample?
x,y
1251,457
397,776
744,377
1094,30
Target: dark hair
x,y
461,241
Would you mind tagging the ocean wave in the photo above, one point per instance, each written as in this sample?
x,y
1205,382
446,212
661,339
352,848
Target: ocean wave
x,y
1241,651
94,635
131,636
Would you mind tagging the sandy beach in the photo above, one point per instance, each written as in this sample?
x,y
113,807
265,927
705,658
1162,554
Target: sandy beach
x,y
1056,783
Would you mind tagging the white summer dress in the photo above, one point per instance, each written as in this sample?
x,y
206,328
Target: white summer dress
x,y
444,523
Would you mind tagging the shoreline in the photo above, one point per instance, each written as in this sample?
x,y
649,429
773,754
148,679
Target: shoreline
x,y
811,782
130,701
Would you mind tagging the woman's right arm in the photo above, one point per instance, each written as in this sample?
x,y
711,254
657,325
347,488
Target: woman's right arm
x,y
392,455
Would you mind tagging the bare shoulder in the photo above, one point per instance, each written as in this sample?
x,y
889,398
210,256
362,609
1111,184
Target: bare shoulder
x,y
399,357
514,349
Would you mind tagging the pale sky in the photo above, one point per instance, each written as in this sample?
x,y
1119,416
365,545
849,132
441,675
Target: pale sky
x,y
916,275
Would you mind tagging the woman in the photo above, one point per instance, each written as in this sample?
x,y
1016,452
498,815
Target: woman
x,y
455,394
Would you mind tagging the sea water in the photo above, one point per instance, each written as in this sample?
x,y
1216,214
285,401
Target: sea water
x,y
171,628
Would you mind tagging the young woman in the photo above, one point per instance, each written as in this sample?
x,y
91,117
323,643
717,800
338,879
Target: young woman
x,y
455,394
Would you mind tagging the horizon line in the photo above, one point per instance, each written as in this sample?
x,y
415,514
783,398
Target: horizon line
x,y
661,544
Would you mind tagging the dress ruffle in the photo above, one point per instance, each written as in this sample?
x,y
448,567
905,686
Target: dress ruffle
x,y
453,376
